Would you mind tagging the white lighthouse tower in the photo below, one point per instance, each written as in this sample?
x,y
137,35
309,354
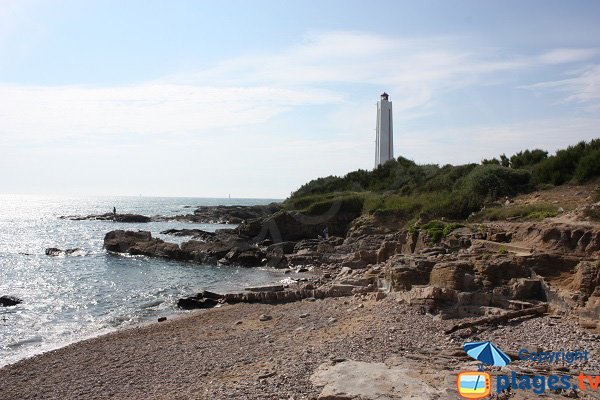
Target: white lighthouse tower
x,y
384,140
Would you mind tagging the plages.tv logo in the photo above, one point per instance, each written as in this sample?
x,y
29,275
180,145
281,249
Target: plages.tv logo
x,y
478,384
474,384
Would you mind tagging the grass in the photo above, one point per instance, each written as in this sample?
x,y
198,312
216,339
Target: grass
x,y
527,212
436,230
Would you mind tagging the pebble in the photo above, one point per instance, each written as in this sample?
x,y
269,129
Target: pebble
x,y
265,317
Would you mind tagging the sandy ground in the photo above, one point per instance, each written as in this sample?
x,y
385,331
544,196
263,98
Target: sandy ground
x,y
229,353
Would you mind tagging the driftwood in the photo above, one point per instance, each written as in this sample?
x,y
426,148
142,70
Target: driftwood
x,y
538,310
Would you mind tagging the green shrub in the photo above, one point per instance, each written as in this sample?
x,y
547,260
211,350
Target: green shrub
x,y
437,230
588,167
346,204
492,181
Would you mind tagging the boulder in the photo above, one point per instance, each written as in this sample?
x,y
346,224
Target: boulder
x,y
191,303
8,301
121,241
526,289
141,243
456,275
131,218
387,249
499,270
245,256
402,274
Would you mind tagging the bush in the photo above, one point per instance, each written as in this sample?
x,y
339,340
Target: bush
x,y
528,158
492,181
588,167
437,230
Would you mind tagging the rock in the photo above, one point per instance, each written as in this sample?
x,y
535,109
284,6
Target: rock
x,y
499,237
403,274
190,303
281,248
293,225
354,264
306,246
121,241
265,317
304,315
109,217
270,288
54,252
234,214
527,288
452,275
349,379
162,319
131,218
226,247
9,301
196,233
430,295
211,295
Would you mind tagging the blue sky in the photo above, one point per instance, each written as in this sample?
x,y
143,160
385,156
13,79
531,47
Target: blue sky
x,y
254,98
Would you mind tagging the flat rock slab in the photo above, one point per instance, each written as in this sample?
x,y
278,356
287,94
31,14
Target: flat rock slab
x,y
357,379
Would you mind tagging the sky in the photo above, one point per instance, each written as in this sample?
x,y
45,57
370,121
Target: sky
x,y
255,98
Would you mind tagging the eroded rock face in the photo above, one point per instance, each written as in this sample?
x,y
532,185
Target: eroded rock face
x,y
550,236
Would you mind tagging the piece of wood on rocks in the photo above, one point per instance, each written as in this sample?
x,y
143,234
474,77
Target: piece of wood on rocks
x,y
537,311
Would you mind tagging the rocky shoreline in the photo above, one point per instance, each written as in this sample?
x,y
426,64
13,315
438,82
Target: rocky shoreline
x,y
475,270
384,315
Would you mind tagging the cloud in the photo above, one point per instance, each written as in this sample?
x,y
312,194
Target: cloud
x,y
562,56
584,87
281,118
254,89
54,112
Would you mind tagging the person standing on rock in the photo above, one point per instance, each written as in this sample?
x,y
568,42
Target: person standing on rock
x,y
326,233
115,211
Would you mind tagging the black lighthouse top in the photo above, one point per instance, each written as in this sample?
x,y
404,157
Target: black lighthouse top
x,y
384,96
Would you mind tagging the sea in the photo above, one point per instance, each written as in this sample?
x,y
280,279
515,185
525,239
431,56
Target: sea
x,y
70,298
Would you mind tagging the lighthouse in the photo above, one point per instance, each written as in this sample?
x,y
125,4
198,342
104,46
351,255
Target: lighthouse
x,y
384,139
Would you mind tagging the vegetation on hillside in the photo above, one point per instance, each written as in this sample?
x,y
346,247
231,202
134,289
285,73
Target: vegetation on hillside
x,y
401,188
